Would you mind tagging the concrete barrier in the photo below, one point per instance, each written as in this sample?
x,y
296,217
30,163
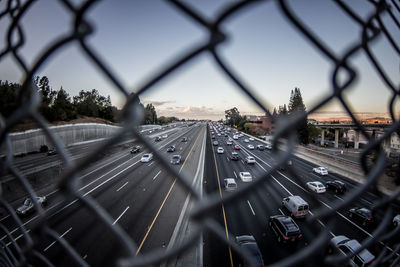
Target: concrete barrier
x,y
31,140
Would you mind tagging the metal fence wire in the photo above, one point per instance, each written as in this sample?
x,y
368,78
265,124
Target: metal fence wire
x,y
15,254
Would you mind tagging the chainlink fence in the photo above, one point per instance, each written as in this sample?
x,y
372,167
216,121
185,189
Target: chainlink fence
x,y
371,28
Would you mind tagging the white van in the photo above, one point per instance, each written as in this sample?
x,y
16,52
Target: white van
x,y
230,184
297,206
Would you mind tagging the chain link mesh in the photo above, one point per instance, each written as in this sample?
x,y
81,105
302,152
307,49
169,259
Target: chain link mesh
x,y
370,29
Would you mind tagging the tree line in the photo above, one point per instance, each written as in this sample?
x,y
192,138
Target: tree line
x,y
58,105
150,116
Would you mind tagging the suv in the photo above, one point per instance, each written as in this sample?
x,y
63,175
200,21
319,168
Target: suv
x,y
171,149
158,139
135,149
250,160
361,215
336,185
343,245
184,139
285,228
249,245
260,147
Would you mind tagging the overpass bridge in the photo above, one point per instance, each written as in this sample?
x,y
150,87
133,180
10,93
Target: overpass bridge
x,y
373,127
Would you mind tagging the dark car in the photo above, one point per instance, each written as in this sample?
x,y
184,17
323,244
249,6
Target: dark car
x,y
51,152
336,186
249,245
158,139
212,137
285,228
237,147
184,139
171,149
235,156
361,215
135,149
28,206
215,143
176,159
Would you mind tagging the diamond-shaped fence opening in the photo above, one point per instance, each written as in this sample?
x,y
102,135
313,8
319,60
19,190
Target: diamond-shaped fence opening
x,y
20,245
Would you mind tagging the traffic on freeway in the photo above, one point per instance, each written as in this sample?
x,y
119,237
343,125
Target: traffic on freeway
x,y
277,214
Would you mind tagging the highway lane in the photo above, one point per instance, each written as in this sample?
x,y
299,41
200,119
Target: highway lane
x,y
134,210
249,215
118,171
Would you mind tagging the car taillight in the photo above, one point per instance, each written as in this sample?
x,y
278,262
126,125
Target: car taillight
x,y
369,219
286,238
296,213
299,236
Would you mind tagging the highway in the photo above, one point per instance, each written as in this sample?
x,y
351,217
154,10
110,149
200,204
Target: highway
x,y
249,215
143,198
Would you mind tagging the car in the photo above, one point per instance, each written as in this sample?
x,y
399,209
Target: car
x,y
241,135
171,149
158,139
235,137
320,170
250,160
226,135
285,228
316,187
230,184
245,177
220,150
251,147
336,185
212,137
215,143
146,157
297,206
165,136
51,152
219,134
343,245
396,220
184,139
176,159
260,147
28,206
135,149
229,143
235,156
237,147
246,140
249,245
251,139
361,215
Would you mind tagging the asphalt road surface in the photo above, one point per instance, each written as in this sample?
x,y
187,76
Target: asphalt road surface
x,y
249,215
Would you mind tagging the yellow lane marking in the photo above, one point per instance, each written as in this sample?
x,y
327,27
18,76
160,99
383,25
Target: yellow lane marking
x,y
165,199
222,205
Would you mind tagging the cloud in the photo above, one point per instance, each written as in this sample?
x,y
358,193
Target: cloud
x,y
157,103
194,112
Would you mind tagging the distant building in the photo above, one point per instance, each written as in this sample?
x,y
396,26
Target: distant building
x,y
262,124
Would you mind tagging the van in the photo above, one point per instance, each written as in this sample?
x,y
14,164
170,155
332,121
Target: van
x,y
230,184
297,206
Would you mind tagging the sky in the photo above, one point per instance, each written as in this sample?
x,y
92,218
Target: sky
x,y
138,39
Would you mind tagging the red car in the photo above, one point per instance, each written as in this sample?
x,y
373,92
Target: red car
x,y
237,147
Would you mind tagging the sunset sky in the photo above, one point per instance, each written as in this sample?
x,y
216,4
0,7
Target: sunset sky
x,y
139,38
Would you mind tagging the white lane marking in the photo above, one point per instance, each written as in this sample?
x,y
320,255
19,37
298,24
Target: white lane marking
x,y
281,211
18,237
61,236
363,199
339,198
242,161
252,211
150,164
122,186
227,159
156,175
235,174
84,257
119,217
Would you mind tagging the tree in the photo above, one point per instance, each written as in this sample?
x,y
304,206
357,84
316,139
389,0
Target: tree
x,y
150,114
8,98
313,131
63,106
45,89
274,113
233,116
248,127
297,108
282,111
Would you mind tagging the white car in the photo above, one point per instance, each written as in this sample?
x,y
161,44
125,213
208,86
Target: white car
x,y
251,147
251,139
317,187
250,160
220,150
245,177
268,146
165,136
229,142
396,220
235,137
146,157
246,140
320,170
